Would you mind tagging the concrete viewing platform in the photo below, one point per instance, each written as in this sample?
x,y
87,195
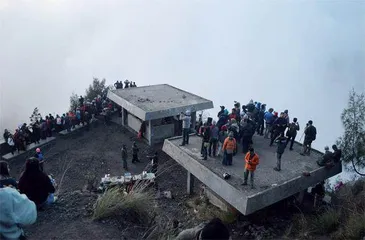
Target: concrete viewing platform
x,y
29,147
77,127
270,186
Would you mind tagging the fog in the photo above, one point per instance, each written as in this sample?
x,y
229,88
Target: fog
x,y
299,55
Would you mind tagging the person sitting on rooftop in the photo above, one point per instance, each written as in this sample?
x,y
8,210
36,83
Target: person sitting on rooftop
x,y
214,230
326,158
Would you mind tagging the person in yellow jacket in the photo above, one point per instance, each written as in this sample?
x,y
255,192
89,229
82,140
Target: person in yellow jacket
x,y
252,160
229,149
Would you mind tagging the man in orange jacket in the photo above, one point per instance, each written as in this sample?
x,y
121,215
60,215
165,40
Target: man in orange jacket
x,y
252,160
229,149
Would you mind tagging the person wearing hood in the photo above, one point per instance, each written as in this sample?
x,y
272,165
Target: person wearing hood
x,y
34,183
252,160
214,230
250,106
229,148
16,211
186,121
235,129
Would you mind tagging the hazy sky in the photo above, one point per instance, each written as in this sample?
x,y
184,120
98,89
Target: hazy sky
x,y
299,55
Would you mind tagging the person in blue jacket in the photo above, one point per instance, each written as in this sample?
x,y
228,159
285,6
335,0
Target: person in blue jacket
x,y
16,211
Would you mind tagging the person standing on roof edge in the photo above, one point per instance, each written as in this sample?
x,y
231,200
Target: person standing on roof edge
x,y
310,135
252,160
281,141
186,119
269,119
293,128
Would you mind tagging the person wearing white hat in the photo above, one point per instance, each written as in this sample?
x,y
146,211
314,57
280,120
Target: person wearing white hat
x,y
186,120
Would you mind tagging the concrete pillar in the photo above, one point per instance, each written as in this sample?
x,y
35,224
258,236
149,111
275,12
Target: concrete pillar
x,y
300,197
193,120
149,132
190,183
123,116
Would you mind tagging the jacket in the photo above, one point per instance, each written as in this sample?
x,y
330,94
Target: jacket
x,y
214,132
310,133
281,146
269,117
36,187
229,145
185,121
222,136
251,163
206,134
15,210
292,129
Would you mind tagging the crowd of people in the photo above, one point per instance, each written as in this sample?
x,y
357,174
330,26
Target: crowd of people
x,y
42,128
234,130
127,84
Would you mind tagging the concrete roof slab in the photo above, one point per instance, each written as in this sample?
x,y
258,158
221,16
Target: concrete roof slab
x,y
158,101
271,186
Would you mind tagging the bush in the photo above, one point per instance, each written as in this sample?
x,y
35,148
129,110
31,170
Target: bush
x,y
136,206
74,102
354,227
326,222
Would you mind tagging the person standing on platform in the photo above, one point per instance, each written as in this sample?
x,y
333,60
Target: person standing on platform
x,y
125,157
229,148
39,155
186,119
135,151
281,141
252,160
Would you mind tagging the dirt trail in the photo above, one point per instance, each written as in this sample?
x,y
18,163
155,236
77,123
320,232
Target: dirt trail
x,y
87,156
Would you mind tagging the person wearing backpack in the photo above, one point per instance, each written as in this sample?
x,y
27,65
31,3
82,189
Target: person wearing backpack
x,y
292,133
310,135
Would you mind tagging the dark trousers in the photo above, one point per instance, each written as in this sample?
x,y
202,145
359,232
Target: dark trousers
x,y
229,157
185,136
213,143
291,140
246,140
205,150
260,127
135,158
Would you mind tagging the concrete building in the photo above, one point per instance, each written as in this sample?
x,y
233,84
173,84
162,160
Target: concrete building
x,y
271,186
158,107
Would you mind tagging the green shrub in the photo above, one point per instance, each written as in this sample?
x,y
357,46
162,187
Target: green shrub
x,y
354,228
136,206
327,221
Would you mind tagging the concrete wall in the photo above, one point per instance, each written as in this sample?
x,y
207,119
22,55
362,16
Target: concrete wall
x,y
160,133
134,122
289,188
221,187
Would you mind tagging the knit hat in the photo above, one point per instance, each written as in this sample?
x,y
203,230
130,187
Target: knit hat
x,y
224,128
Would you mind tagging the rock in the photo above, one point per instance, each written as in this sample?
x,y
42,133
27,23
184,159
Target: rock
x,y
167,194
247,233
